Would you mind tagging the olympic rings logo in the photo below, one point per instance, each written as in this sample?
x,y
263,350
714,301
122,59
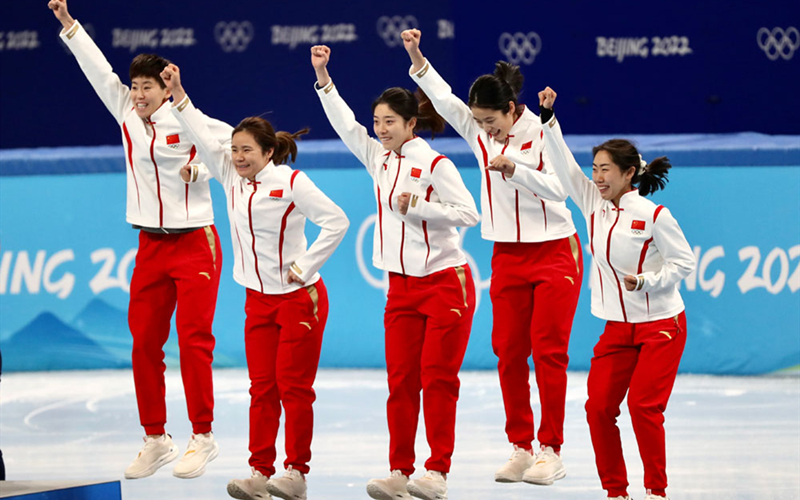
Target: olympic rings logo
x,y
520,47
389,28
234,36
778,43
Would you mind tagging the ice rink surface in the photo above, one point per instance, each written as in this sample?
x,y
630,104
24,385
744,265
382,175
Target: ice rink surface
x,y
727,437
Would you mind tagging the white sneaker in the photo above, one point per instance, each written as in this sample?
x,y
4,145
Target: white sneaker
x,y
202,449
431,486
158,450
650,496
546,469
512,471
292,486
253,488
390,488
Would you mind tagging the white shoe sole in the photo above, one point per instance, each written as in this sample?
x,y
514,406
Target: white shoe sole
x,y
200,470
546,481
162,461
236,492
502,478
423,494
279,493
376,492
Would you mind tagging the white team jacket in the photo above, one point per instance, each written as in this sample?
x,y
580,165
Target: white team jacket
x,y
517,209
639,238
155,149
268,216
425,240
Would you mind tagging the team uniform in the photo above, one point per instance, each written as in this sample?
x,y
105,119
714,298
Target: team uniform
x,y
431,298
179,257
285,321
537,266
641,347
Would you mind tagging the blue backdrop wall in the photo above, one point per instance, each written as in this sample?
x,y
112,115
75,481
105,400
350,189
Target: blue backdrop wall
x,y
66,257
619,67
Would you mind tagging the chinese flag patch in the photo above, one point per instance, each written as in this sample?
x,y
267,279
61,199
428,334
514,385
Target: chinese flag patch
x,y
278,193
416,172
637,225
173,139
527,145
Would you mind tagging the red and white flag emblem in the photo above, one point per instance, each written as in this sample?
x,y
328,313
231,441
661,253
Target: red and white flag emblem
x,y
173,139
527,145
276,193
637,225
416,172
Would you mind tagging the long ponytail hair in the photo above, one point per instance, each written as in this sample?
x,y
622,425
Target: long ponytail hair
x,y
408,106
283,144
649,177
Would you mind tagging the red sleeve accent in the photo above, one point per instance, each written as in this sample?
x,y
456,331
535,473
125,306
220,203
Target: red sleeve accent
x,y
658,211
437,160
291,181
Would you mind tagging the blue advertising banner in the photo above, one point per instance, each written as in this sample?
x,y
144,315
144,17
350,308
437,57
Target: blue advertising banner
x,y
620,68
66,257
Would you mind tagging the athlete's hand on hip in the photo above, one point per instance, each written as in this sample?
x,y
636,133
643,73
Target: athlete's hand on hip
x,y
503,165
547,97
293,278
402,202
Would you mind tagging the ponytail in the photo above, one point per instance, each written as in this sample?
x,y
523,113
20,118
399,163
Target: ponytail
x,y
648,177
286,146
495,91
283,143
427,117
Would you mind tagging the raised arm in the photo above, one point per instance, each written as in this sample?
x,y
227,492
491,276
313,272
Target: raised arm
x,y
452,109
115,95
582,190
323,212
455,207
215,156
341,117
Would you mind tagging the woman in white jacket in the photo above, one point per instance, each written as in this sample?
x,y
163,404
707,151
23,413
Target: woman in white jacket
x,y
421,200
640,254
537,266
287,303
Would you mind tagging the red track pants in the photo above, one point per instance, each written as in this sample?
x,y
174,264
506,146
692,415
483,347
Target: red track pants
x,y
182,270
427,321
535,290
283,339
641,359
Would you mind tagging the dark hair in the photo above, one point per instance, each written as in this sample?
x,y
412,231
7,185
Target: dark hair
x,y
149,66
497,90
625,155
282,143
409,106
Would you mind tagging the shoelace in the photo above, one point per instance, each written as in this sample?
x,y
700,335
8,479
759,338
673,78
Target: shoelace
x,y
397,473
432,475
517,452
255,473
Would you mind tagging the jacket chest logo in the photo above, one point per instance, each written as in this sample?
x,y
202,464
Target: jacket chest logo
x,y
526,148
276,194
415,174
173,141
637,227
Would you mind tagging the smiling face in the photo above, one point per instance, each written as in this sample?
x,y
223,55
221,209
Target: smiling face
x,y
494,121
390,128
248,157
610,179
147,95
